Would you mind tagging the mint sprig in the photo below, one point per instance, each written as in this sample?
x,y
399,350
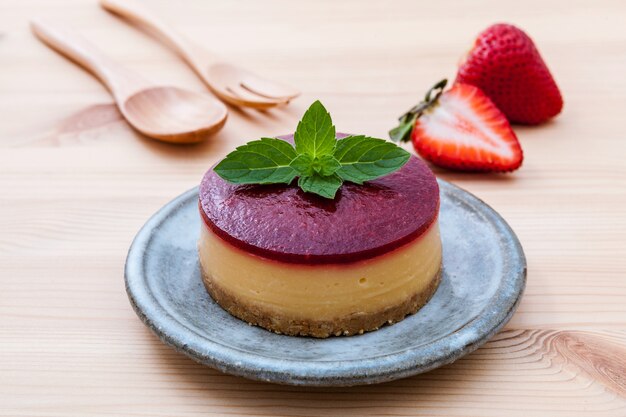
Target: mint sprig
x,y
320,161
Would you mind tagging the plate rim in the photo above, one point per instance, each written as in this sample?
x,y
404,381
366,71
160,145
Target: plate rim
x,y
327,373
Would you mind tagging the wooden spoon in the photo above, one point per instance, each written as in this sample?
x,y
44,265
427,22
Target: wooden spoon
x,y
230,83
169,114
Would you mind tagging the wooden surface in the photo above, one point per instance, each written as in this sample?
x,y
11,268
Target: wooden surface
x,y
76,184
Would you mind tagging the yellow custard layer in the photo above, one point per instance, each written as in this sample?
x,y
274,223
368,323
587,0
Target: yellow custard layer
x,y
322,292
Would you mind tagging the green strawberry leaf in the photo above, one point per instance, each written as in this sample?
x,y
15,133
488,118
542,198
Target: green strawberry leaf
x,y
402,132
315,134
363,158
264,161
326,186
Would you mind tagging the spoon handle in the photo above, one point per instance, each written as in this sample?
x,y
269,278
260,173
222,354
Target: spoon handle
x,y
121,82
197,57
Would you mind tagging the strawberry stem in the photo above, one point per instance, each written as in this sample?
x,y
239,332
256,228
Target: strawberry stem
x,y
429,101
402,132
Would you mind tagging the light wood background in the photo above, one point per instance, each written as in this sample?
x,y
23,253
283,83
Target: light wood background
x,y
76,184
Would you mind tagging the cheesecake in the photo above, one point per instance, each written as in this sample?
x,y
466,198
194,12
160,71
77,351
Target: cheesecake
x,y
298,264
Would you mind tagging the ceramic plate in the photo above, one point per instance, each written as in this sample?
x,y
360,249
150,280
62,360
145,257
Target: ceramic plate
x,y
484,273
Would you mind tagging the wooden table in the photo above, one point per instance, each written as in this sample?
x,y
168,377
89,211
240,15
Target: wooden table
x,y
77,184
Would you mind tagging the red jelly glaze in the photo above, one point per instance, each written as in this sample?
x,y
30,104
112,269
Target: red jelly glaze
x,y
283,223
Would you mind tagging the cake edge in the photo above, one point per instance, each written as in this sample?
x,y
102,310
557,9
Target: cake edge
x,y
342,326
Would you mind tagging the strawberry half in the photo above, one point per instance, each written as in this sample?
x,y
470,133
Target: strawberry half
x,y
460,129
506,65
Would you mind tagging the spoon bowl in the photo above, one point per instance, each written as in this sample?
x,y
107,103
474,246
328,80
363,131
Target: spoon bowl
x,y
172,114
166,113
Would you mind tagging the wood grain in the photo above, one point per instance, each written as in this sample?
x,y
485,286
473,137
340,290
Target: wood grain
x,y
77,183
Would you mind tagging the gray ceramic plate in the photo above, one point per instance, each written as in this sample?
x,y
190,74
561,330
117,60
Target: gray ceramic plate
x,y
484,276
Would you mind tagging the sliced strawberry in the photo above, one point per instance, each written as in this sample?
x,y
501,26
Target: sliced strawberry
x,y
462,129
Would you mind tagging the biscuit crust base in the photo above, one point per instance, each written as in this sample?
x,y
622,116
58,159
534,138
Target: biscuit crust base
x,y
342,326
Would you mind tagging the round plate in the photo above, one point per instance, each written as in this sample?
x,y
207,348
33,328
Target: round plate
x,y
484,274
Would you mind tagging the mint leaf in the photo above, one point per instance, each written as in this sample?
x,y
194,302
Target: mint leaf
x,y
326,165
326,186
264,161
303,164
315,134
363,158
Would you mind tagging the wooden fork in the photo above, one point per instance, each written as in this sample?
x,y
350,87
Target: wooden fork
x,y
230,83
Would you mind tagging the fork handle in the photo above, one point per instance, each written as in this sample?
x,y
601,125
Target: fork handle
x,y
197,57
120,81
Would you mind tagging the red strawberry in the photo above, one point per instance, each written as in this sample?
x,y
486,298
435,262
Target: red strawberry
x,y
461,129
506,65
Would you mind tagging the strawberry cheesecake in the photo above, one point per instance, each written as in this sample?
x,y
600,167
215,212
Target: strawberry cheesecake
x,y
298,264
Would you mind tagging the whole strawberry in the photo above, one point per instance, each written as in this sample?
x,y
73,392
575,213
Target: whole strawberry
x,y
505,64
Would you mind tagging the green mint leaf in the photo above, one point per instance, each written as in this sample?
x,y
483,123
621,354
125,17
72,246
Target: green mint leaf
x,y
326,165
264,161
325,186
306,166
363,158
303,164
402,132
315,134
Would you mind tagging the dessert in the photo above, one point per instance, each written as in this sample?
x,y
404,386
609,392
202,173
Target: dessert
x,y
299,264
